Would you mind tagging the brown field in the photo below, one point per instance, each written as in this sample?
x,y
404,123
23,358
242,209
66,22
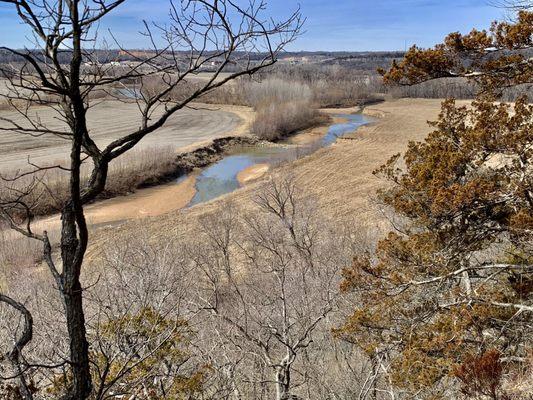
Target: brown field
x,y
338,178
112,119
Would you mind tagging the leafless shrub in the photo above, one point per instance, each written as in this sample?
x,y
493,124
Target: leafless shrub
x,y
51,186
170,309
276,120
139,316
137,319
271,287
46,353
281,108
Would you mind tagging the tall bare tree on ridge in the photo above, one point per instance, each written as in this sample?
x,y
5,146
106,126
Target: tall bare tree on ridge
x,y
54,74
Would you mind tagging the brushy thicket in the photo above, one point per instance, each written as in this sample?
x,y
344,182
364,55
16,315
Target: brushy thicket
x,y
341,85
332,85
325,86
277,120
18,252
281,108
138,168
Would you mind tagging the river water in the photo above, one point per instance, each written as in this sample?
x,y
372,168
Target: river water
x,y
221,177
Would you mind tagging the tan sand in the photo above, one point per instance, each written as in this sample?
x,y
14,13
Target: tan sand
x,y
149,202
313,134
252,173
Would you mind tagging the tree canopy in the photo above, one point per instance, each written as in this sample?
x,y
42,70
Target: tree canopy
x,y
448,294
498,58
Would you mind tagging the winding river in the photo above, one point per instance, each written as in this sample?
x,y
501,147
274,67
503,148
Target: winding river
x,y
221,177
206,184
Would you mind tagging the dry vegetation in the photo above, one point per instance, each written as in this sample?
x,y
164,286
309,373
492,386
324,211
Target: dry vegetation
x,y
324,86
156,276
124,353
282,108
244,304
340,179
446,88
50,187
333,85
323,281
278,120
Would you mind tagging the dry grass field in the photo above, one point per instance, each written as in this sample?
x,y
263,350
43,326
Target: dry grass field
x,y
338,178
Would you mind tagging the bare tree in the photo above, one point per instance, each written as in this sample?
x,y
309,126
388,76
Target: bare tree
x,y
54,74
139,323
271,281
513,5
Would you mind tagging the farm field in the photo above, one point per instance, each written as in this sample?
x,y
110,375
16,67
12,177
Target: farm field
x,y
109,120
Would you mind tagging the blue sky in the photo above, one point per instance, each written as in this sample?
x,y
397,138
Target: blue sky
x,y
350,25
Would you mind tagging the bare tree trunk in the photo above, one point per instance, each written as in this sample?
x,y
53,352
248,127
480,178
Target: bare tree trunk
x,y
72,251
74,235
67,28
283,382
79,347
